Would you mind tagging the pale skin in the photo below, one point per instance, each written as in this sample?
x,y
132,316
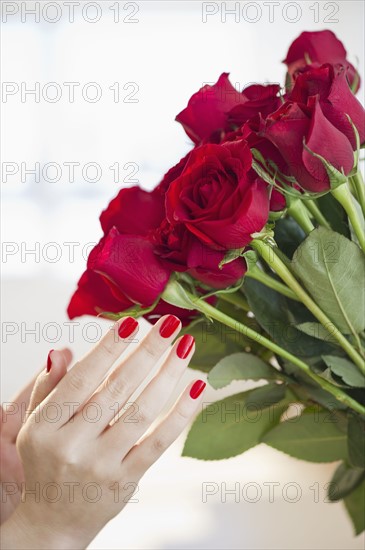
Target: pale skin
x,y
82,465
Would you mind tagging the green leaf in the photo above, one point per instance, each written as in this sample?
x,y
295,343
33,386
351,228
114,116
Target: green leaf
x,y
313,436
212,342
332,269
355,506
251,258
358,146
134,311
279,316
346,370
265,396
316,330
229,427
240,366
230,256
356,441
361,220
221,292
288,235
324,398
328,375
344,481
175,295
334,214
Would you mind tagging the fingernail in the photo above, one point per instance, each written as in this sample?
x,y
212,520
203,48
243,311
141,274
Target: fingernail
x,y
127,327
169,326
184,346
49,360
197,388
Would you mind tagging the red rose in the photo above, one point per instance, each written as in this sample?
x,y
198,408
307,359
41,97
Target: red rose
x,y
296,124
203,264
170,176
133,211
259,99
335,97
186,316
216,110
130,263
217,197
182,251
123,269
312,48
207,109
95,295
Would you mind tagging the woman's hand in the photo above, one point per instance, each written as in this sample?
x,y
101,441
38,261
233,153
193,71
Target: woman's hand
x,y
13,414
81,462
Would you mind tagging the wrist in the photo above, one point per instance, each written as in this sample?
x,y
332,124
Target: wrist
x,y
25,530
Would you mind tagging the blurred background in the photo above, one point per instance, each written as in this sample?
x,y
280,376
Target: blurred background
x,y
90,91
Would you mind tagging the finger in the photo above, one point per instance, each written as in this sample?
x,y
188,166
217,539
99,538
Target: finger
x,y
86,375
145,453
130,427
125,379
57,363
13,412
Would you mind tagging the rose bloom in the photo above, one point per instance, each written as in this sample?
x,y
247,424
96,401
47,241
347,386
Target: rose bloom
x,y
134,260
218,198
298,130
316,48
337,101
216,110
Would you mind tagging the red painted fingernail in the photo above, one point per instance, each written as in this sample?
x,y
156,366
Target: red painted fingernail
x,y
128,326
169,326
197,388
184,346
49,361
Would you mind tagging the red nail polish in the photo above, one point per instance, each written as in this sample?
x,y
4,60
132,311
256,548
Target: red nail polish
x,y
169,326
197,388
49,361
184,346
127,327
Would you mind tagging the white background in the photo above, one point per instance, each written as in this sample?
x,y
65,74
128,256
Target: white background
x,y
167,55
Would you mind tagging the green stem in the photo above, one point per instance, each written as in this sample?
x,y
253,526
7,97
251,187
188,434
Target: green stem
x,y
316,213
236,298
268,254
256,273
283,257
218,315
359,186
343,196
300,214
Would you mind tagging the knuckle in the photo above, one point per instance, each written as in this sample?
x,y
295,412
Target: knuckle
x,y
77,381
181,415
140,417
172,372
150,348
107,349
159,445
115,387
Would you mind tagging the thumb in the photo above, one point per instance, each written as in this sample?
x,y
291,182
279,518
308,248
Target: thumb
x,y
47,380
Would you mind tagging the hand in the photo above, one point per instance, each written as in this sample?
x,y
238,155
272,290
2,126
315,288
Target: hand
x,y
12,416
82,461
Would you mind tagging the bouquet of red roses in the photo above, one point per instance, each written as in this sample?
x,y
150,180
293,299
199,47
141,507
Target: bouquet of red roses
x,y
255,239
